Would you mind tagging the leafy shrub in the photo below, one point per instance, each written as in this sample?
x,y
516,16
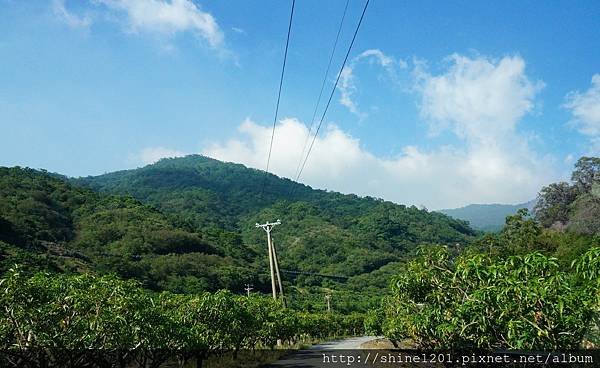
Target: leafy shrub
x,y
519,302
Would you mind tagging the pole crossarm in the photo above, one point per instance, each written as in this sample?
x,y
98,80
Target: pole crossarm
x,y
268,225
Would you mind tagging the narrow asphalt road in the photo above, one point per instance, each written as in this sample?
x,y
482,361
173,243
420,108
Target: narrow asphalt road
x,y
351,343
327,354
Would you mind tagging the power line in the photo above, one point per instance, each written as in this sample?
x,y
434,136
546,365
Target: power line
x,y
295,272
315,274
333,90
314,115
287,42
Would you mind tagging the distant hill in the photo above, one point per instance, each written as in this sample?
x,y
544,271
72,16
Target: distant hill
x,y
487,217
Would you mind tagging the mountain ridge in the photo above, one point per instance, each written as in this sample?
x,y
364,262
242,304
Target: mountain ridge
x,y
487,217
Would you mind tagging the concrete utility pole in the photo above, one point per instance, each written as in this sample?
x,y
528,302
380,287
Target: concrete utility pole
x,y
328,298
273,264
276,261
248,288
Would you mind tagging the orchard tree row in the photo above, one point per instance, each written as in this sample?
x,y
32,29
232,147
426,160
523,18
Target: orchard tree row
x,y
479,300
60,320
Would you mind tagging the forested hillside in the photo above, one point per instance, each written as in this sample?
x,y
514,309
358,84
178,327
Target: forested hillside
x,y
187,225
208,192
47,223
322,231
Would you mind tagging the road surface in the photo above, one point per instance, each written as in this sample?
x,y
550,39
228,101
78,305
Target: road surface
x,y
351,343
313,357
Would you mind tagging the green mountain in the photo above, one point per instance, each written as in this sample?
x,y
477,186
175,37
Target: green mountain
x,y
188,224
49,224
487,217
322,231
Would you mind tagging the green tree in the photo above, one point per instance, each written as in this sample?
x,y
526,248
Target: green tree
x,y
519,302
553,204
586,173
521,232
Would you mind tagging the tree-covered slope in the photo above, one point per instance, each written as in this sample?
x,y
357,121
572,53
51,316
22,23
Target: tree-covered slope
x,y
47,223
322,231
486,217
205,191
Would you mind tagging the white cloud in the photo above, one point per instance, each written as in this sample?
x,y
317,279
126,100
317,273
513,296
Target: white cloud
x,y
347,83
347,88
60,11
378,56
150,155
585,109
166,17
480,99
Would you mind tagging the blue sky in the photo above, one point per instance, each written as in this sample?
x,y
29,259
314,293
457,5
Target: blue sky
x,y
441,104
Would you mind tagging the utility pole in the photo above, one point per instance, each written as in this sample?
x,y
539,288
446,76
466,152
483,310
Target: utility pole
x,y
267,227
277,271
328,298
248,288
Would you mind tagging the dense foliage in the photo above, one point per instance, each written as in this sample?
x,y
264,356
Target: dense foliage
x,y
180,230
523,234
564,224
519,302
62,320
